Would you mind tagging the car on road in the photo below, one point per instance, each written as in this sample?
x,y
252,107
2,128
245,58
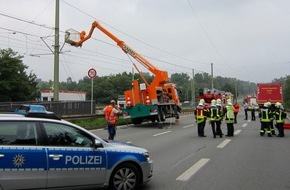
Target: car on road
x,y
42,153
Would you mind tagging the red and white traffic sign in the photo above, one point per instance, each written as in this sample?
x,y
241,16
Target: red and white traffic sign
x,y
92,73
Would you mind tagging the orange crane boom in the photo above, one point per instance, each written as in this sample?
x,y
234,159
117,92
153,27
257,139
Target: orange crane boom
x,y
161,76
154,101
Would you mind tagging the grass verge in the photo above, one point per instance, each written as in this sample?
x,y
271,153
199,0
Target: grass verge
x,y
97,123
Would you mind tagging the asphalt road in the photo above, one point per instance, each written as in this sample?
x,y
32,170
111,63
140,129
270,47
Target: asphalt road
x,y
184,161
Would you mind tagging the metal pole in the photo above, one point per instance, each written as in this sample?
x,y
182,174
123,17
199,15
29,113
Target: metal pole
x,y
133,95
56,53
211,76
92,95
193,89
236,89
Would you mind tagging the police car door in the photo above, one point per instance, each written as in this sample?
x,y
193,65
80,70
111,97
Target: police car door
x,y
72,159
23,163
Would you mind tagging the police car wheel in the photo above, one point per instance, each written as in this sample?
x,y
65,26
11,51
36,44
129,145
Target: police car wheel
x,y
125,176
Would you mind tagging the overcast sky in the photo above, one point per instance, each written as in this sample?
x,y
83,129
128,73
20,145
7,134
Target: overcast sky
x,y
244,39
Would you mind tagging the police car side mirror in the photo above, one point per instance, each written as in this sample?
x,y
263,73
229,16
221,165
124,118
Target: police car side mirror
x,y
98,144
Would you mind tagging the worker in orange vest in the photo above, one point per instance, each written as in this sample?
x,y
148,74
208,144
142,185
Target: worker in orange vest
x,y
236,111
111,112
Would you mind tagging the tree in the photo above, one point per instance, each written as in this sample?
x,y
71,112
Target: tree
x,y
286,92
15,83
182,80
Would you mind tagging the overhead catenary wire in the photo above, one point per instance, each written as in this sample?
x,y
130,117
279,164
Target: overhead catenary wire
x,y
208,36
112,57
159,49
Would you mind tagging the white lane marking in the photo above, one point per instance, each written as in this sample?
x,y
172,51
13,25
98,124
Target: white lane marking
x,y
192,170
161,133
224,143
187,126
245,125
249,120
237,132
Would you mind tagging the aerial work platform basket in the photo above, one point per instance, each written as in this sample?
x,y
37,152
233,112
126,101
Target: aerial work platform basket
x,y
72,36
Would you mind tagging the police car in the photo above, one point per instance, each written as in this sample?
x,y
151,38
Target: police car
x,y
39,153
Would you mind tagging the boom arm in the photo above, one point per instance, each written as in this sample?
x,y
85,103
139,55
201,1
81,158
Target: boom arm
x,y
161,76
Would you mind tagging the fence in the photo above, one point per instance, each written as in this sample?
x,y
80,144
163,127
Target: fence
x,y
66,108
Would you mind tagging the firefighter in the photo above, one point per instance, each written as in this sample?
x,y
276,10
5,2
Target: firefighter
x,y
279,115
111,112
221,111
201,113
265,119
230,118
272,109
215,116
221,108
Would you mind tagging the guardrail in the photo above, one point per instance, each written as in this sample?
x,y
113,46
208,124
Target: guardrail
x,y
67,109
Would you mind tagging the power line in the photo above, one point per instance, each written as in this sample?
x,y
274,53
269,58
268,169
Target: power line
x,y
147,44
207,35
29,22
52,28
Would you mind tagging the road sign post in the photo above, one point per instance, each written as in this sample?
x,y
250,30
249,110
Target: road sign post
x,y
92,73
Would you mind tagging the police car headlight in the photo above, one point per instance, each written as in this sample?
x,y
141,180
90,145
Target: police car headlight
x,y
146,154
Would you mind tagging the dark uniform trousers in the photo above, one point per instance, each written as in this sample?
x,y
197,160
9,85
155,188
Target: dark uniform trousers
x,y
280,127
216,128
200,128
265,127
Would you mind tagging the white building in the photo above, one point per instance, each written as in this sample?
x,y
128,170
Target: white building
x,y
64,95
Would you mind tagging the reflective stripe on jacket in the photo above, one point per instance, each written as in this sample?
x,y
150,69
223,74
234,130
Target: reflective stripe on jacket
x,y
265,115
214,113
110,115
230,114
200,115
280,116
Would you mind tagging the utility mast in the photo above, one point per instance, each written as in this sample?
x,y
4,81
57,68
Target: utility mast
x,y
56,53
211,75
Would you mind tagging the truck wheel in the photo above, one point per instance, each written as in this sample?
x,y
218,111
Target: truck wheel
x,y
136,121
176,116
125,177
162,115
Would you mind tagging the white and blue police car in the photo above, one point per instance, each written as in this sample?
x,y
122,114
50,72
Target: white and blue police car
x,y
41,153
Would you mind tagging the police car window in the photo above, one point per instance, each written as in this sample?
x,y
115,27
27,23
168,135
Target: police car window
x,y
18,133
64,135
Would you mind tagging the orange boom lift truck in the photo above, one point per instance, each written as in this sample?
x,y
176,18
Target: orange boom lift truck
x,y
155,101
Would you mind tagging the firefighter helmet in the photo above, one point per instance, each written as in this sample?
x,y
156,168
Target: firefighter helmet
x,y
218,101
278,105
